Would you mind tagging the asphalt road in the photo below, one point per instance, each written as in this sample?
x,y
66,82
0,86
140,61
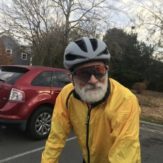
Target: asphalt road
x,y
15,147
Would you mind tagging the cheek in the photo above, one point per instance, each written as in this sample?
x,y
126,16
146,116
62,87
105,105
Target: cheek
x,y
81,85
78,83
103,80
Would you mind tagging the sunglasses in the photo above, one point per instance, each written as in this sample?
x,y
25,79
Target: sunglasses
x,y
84,74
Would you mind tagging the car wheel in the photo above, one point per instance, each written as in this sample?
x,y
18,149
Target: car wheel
x,y
38,126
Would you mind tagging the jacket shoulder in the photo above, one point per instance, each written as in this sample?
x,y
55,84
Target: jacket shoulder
x,y
120,90
67,89
65,93
122,101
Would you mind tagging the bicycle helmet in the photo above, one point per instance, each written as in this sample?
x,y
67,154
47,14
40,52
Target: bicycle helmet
x,y
85,50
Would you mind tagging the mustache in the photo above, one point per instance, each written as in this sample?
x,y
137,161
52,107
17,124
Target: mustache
x,y
93,87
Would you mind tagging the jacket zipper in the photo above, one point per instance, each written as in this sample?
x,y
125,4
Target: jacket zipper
x,y
87,133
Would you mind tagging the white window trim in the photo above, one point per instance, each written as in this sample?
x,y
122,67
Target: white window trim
x,y
9,51
24,56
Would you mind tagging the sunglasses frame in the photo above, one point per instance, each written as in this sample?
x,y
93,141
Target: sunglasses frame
x,y
85,80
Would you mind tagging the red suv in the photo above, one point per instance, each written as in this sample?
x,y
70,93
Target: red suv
x,y
27,96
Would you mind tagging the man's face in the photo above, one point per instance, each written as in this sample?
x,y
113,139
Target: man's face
x,y
91,81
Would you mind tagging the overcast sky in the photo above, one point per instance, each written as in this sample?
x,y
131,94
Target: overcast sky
x,y
127,18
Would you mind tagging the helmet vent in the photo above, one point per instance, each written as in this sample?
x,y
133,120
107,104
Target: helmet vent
x,y
82,45
71,57
94,43
105,51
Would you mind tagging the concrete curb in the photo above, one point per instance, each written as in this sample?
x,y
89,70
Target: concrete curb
x,y
150,123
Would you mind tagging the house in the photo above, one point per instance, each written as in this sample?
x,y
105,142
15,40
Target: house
x,y
20,54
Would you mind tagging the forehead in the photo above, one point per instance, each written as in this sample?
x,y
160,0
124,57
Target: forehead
x,y
89,64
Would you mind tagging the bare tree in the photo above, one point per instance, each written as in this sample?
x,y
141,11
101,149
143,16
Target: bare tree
x,y
27,20
151,17
34,20
147,20
83,15
52,45
31,18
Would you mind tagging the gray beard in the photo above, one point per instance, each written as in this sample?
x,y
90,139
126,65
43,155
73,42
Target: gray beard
x,y
92,93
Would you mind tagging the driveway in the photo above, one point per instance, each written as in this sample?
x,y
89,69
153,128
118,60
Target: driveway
x,y
15,147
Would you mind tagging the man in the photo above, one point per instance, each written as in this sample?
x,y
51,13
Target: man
x,y
103,114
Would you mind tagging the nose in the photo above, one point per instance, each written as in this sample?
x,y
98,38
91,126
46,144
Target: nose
x,y
93,80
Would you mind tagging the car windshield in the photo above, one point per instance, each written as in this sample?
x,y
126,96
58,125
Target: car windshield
x,y
10,75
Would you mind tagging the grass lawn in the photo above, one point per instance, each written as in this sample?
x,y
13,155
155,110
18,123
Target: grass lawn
x,y
151,103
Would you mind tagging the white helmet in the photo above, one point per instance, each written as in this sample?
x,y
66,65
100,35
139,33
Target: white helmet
x,y
84,50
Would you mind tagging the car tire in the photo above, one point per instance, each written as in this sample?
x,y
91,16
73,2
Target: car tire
x,y
38,126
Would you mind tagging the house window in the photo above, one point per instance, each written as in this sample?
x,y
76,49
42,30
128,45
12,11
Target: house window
x,y
9,51
23,56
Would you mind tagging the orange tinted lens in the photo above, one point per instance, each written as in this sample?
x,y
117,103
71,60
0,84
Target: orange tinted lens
x,y
85,73
100,69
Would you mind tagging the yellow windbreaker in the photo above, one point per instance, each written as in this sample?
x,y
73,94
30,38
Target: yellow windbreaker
x,y
107,133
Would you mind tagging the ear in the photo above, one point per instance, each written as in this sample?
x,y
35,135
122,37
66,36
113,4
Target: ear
x,y
70,76
107,67
72,79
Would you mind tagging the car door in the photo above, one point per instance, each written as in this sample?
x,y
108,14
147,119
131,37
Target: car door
x,y
59,80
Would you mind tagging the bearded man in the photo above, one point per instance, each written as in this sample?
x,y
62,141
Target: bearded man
x,y
103,113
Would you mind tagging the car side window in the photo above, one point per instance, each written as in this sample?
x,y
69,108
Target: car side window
x,y
43,79
60,79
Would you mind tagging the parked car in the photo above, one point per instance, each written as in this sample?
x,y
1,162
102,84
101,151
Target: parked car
x,y
27,96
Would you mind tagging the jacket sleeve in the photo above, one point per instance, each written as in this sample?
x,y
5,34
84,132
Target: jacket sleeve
x,y
125,133
60,128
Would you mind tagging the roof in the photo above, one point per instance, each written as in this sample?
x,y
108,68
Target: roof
x,y
34,67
